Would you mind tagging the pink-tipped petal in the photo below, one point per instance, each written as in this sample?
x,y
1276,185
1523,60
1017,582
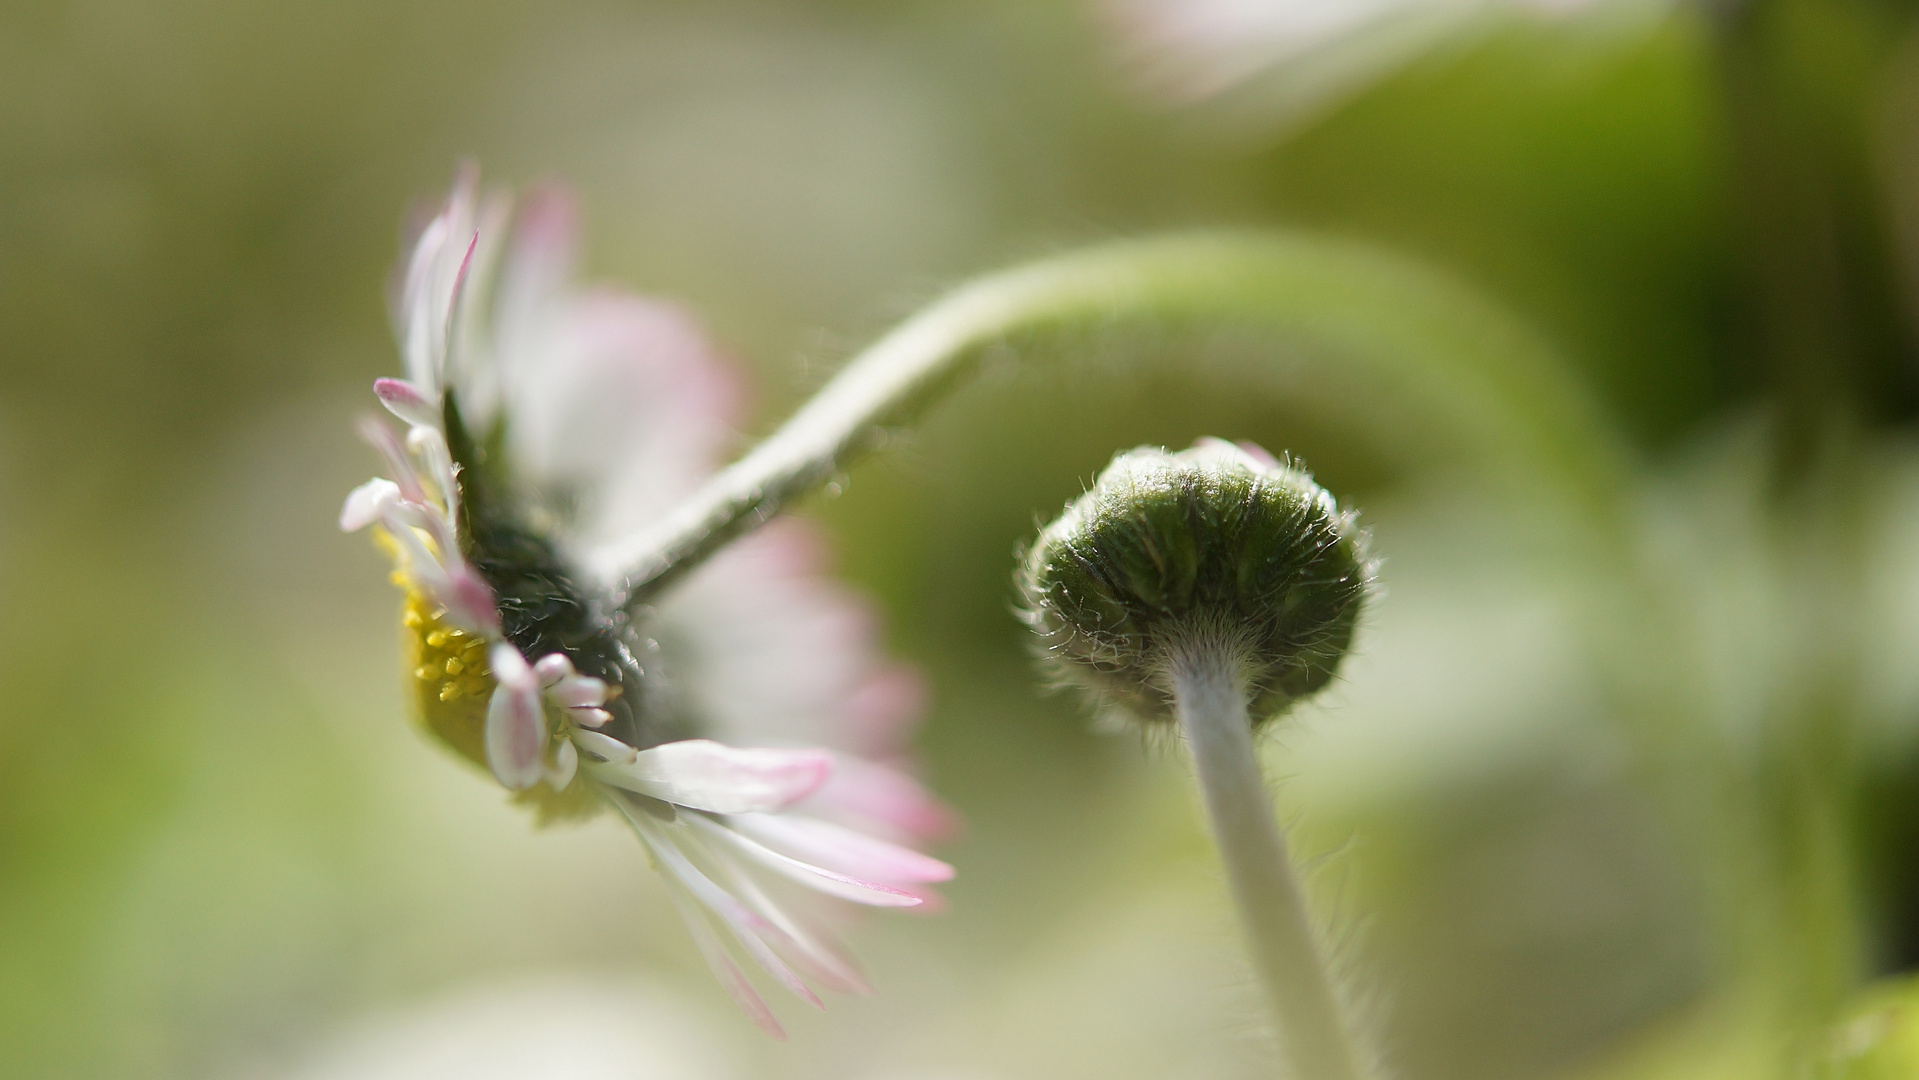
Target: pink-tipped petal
x,y
515,724
730,977
422,566
553,667
605,747
818,878
546,228
367,504
1250,454
706,775
511,669
621,396
589,717
416,316
538,261
746,926
435,275
382,439
839,848
469,605
814,953
733,981
407,401
1258,453
931,902
428,444
882,709
879,798
455,293
577,692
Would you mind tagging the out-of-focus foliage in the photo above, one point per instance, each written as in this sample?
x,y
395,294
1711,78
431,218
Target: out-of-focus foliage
x,y
1876,1038
225,853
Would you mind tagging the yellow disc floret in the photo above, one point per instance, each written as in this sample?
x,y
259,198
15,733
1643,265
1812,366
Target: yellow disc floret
x,y
452,686
450,682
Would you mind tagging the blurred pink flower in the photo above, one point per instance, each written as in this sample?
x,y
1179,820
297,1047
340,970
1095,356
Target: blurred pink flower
x,y
1303,53
747,729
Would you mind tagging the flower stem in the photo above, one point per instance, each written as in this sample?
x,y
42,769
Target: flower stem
x,y
1419,366
1406,348
1210,699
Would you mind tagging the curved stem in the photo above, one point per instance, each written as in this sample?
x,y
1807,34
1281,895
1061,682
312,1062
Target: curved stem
x,y
1375,328
1416,359
1209,697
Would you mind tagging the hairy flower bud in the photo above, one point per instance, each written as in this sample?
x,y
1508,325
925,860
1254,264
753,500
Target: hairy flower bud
x,y
1218,547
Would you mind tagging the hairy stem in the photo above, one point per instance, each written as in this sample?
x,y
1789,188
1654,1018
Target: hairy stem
x,y
1414,362
1209,696
1366,326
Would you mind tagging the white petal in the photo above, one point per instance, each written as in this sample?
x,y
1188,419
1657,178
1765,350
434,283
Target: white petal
x,y
813,952
474,370
680,876
566,762
404,513
747,926
416,316
605,747
469,605
881,801
407,401
706,775
436,464
568,690
589,717
422,565
782,655
577,692
552,667
841,848
533,276
731,978
448,299
1248,454
382,439
367,504
816,877
515,723
510,668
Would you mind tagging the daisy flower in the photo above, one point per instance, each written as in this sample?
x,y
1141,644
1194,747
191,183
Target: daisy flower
x,y
745,727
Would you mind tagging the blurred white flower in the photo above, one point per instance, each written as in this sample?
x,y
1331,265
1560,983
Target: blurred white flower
x,y
552,1028
1303,53
747,729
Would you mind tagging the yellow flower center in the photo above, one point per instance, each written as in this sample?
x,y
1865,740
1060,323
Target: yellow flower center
x,y
451,680
452,685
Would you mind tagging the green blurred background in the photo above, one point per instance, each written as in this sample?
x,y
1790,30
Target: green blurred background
x,y
225,853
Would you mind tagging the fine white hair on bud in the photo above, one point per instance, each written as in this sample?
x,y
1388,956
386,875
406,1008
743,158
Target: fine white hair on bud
x,y
1220,548
1210,589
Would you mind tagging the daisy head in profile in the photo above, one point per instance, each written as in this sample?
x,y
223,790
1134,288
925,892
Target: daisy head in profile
x,y
745,725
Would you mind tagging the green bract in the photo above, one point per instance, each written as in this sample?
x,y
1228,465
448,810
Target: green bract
x,y
1216,547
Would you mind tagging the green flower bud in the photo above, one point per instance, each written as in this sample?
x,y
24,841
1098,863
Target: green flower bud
x,y
1219,547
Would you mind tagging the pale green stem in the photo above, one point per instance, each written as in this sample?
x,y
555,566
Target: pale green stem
x,y
1375,329
1424,366
1209,696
